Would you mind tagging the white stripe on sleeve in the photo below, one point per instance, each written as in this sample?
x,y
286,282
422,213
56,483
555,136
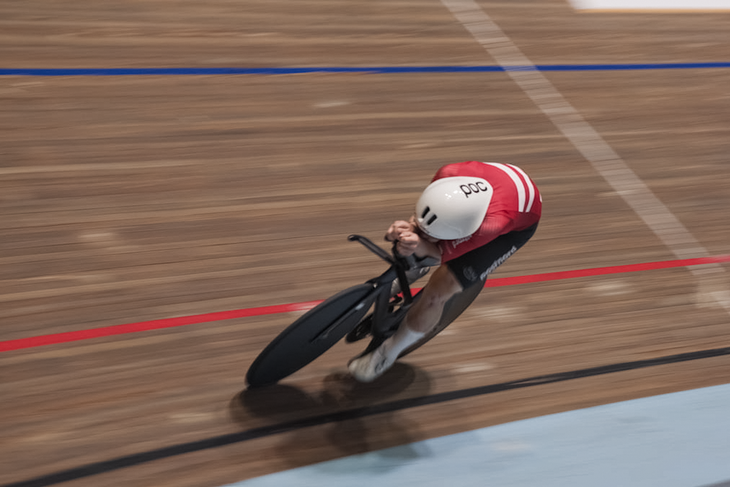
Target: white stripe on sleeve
x,y
521,196
530,187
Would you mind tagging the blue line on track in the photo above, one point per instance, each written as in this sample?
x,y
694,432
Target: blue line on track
x,y
364,70
629,67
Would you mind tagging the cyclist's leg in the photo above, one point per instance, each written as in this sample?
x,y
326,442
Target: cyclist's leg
x,y
363,329
447,281
426,312
474,266
423,316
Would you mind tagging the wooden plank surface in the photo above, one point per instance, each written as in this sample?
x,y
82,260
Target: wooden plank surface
x,y
133,198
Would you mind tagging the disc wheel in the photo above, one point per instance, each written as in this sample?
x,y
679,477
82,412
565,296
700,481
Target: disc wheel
x,y
311,335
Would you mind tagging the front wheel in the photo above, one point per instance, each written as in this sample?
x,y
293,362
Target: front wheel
x,y
311,335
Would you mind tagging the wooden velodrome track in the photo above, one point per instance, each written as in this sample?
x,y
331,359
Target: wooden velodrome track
x,y
134,198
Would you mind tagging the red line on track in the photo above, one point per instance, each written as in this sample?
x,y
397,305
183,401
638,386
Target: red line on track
x,y
74,336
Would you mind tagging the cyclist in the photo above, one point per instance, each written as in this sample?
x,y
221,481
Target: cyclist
x,y
471,218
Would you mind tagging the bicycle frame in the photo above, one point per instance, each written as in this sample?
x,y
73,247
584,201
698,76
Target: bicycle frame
x,y
384,322
343,314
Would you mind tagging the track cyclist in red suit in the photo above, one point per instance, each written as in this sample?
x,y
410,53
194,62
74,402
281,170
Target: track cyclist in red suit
x,y
472,217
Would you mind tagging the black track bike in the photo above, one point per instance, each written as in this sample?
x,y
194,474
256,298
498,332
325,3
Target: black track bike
x,y
345,315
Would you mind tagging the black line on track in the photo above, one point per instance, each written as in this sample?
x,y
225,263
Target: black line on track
x,y
361,412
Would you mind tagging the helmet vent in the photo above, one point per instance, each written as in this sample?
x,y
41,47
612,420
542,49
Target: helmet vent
x,y
425,212
431,220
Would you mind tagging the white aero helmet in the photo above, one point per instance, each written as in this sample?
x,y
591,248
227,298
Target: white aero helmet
x,y
453,208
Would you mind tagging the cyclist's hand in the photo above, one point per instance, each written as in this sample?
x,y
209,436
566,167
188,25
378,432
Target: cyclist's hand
x,y
397,229
407,243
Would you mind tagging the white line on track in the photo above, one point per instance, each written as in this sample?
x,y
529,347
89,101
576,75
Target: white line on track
x,y
581,134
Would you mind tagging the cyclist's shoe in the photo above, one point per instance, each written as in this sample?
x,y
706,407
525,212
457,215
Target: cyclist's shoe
x,y
367,368
375,342
381,354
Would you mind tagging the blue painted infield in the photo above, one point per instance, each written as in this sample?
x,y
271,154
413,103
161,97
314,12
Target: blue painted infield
x,y
364,70
680,439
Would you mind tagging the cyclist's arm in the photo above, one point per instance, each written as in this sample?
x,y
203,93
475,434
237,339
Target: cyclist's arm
x,y
412,241
425,248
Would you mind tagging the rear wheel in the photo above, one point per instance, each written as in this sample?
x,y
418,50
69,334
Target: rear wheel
x,y
311,335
